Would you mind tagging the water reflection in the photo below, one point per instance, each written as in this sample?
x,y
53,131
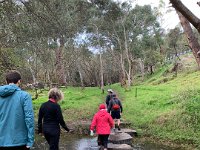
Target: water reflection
x,y
72,142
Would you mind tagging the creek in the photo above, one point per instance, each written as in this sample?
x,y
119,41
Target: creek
x,y
74,142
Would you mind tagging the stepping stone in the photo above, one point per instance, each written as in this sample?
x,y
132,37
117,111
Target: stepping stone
x,y
129,131
120,138
119,147
124,124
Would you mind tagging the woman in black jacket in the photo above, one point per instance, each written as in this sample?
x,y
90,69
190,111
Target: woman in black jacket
x,y
50,118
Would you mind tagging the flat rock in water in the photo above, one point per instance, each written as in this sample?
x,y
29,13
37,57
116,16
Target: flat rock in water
x,y
119,147
125,124
129,131
120,138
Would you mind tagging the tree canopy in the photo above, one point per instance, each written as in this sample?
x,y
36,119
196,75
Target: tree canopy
x,y
81,43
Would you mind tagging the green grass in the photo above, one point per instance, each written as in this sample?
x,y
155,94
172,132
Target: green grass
x,y
166,110
77,103
169,110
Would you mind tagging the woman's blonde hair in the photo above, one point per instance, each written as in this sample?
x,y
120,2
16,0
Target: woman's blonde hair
x,y
56,94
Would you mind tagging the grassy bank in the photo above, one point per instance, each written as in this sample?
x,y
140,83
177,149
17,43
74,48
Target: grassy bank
x,y
169,110
166,108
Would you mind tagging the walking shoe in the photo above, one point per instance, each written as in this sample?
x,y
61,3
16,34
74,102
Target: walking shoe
x,y
119,128
101,147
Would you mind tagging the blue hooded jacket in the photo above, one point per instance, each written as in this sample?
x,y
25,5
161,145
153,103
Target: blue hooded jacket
x,y
16,117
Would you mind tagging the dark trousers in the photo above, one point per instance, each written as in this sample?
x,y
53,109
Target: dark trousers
x,y
15,148
103,140
52,138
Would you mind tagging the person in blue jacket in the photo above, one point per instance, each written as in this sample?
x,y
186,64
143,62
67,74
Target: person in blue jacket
x,y
16,115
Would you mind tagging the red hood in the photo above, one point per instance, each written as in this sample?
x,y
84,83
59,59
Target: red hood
x,y
102,113
102,121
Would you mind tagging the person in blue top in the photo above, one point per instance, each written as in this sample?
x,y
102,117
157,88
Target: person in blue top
x,y
16,115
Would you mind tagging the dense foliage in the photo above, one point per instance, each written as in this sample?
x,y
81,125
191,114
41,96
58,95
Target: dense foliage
x,y
81,43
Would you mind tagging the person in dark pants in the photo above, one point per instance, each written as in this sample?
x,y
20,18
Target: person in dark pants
x,y
115,107
109,97
50,118
103,123
16,115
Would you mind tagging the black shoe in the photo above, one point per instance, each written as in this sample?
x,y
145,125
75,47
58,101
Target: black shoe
x,y
119,128
101,147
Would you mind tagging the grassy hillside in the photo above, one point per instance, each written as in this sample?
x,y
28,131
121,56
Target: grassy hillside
x,y
168,110
164,106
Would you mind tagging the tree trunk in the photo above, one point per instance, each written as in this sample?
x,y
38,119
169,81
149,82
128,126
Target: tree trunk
x,y
33,74
101,72
193,42
141,64
80,74
101,63
198,3
123,73
128,59
151,69
81,77
60,72
179,6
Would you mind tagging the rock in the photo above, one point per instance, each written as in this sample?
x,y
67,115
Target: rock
x,y
124,124
120,138
119,147
129,131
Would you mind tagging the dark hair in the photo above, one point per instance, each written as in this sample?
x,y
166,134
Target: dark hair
x,y
114,95
13,76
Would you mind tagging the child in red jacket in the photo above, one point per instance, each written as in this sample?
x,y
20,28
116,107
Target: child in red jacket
x,y
103,122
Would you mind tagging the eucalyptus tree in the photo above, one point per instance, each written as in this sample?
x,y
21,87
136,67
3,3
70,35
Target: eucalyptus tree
x,y
46,31
180,7
58,21
175,42
22,36
11,37
103,12
131,29
121,28
192,40
186,17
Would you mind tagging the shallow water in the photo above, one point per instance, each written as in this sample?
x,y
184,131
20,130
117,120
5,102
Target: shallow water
x,y
72,142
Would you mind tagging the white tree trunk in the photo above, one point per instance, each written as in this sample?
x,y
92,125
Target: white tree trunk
x,y
141,64
128,59
101,62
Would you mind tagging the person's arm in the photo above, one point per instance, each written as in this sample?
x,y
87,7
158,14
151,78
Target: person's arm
x,y
109,106
120,104
29,119
94,123
40,117
107,100
61,120
111,121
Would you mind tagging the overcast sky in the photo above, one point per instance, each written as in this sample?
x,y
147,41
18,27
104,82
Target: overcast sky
x,y
170,18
